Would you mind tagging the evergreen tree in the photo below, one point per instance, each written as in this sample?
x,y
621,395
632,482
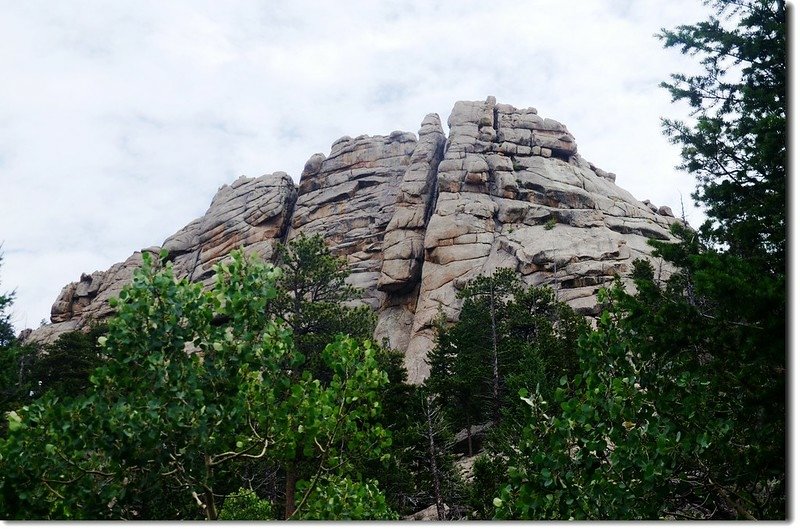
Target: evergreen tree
x,y
314,298
13,360
734,273
736,146
541,343
427,456
459,363
667,418
6,329
490,297
65,365
680,408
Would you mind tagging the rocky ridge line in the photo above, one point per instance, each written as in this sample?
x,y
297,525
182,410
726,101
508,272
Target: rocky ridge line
x,y
416,217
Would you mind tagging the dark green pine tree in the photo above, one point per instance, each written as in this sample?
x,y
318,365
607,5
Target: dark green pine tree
x,y
313,298
466,365
459,364
507,338
12,360
679,410
65,365
540,342
486,300
6,329
734,270
736,146
28,370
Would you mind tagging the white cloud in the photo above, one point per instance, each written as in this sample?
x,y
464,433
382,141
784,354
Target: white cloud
x,y
120,120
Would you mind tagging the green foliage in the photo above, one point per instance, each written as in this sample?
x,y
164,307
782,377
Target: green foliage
x,y
508,337
490,472
395,475
316,301
677,412
244,504
606,454
311,298
28,371
406,476
680,408
65,365
458,378
14,361
550,224
541,341
736,146
725,333
344,499
486,300
181,398
15,385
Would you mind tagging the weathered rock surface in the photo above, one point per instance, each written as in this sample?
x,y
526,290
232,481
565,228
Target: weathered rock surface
x,y
251,213
428,514
418,217
350,197
465,465
403,251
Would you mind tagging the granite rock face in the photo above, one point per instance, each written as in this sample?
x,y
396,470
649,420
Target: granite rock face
x,y
417,217
514,193
350,197
251,213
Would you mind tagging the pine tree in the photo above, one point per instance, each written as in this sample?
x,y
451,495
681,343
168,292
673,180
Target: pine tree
x,y
680,408
459,363
736,147
313,298
733,278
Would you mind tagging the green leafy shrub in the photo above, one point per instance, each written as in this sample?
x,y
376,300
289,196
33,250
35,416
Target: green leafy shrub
x,y
343,499
194,381
244,504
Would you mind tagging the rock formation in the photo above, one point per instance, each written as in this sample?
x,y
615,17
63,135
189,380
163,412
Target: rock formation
x,y
416,218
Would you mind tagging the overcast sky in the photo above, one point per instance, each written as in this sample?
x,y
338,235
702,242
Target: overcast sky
x,y
120,120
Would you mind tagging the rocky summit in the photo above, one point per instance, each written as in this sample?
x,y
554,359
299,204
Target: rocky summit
x,y
416,217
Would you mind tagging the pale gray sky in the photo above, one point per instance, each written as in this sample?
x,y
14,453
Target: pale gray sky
x,y
120,120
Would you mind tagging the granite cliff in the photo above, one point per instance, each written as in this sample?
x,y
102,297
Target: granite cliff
x,y
416,216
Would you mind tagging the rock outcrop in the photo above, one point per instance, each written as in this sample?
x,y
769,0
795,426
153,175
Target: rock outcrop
x,y
513,192
417,217
349,198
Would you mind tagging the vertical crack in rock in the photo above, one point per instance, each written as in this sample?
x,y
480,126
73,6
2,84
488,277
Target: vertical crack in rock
x,y
402,247
405,233
417,219
500,190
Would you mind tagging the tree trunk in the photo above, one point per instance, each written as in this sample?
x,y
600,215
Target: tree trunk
x,y
434,469
208,494
495,360
211,507
291,486
469,438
